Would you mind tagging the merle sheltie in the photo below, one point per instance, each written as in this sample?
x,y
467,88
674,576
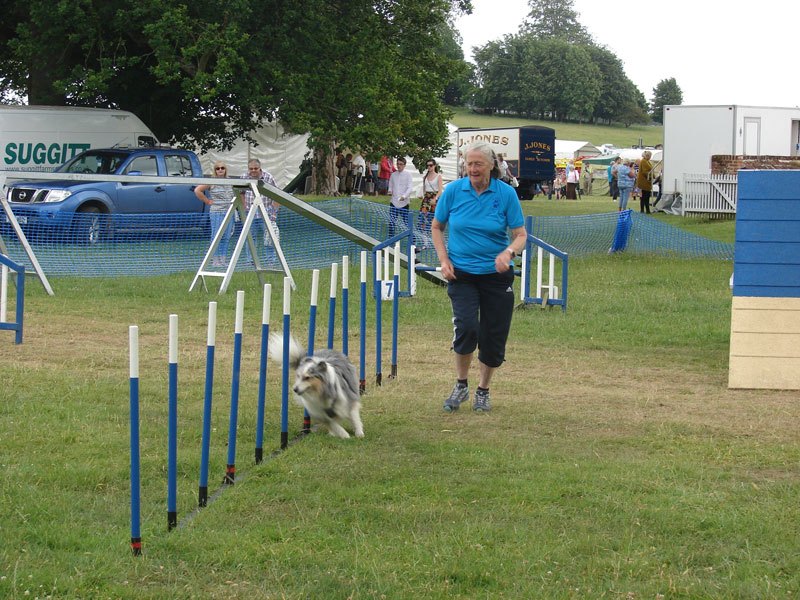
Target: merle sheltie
x,y
326,384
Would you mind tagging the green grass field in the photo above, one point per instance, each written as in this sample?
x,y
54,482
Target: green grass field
x,y
619,136
616,463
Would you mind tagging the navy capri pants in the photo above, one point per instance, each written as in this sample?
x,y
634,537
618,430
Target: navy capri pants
x,y
482,310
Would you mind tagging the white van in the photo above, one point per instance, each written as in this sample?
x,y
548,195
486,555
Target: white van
x,y
40,138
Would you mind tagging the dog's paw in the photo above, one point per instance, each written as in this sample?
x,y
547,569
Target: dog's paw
x,y
337,430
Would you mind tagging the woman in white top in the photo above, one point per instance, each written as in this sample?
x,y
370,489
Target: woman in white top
x,y
431,190
219,198
505,169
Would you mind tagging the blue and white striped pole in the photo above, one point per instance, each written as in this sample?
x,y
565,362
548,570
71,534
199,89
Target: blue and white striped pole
x,y
136,533
362,361
378,315
345,303
312,332
312,311
287,302
202,495
230,469
332,303
262,373
172,458
396,308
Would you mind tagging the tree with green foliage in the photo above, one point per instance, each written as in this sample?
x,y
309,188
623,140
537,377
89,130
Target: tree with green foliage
x,y
619,97
548,78
354,73
549,19
569,80
459,90
666,92
553,69
496,70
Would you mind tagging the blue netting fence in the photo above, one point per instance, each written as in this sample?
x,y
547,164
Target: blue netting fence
x,y
145,245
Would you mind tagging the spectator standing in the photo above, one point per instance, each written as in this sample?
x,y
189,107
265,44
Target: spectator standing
x,y
573,178
384,173
358,167
219,199
431,190
625,181
644,181
341,169
374,167
258,230
401,186
477,263
502,165
614,179
587,179
348,177
560,184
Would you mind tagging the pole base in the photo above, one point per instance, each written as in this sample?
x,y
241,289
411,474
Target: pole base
x,y
230,475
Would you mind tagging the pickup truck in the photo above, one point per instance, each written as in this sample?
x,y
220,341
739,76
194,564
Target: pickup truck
x,y
85,211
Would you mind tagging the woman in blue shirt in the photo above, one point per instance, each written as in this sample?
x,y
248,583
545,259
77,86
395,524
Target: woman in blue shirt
x,y
626,177
477,262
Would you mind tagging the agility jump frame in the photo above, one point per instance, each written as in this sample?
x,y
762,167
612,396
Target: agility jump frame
x,y
7,264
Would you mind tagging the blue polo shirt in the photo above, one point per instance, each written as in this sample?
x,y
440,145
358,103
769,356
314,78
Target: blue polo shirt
x,y
478,225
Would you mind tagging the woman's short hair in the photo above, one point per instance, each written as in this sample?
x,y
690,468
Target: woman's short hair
x,y
488,154
647,154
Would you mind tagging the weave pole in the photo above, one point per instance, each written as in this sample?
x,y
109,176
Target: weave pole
x,y
312,331
3,292
136,533
287,321
262,373
386,270
230,469
362,363
172,420
332,303
395,308
412,271
378,316
202,494
345,303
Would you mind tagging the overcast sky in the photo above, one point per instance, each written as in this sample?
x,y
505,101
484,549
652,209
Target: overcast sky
x,y
719,52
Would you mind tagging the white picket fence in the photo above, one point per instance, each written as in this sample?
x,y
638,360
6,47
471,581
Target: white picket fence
x,y
703,193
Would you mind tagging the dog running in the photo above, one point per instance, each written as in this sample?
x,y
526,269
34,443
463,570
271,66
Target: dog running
x,y
325,384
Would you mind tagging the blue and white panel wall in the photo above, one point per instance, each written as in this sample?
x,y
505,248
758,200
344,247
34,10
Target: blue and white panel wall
x,y
765,315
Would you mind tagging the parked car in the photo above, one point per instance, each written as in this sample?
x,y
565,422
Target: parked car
x,y
85,211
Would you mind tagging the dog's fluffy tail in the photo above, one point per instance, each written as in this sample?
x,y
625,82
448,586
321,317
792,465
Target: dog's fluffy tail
x,y
296,352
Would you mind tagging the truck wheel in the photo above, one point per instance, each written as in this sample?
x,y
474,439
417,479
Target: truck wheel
x,y
91,225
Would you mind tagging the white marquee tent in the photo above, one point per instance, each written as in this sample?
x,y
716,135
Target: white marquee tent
x,y
567,149
281,154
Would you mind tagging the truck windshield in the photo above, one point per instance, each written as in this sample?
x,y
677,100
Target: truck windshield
x,y
93,162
